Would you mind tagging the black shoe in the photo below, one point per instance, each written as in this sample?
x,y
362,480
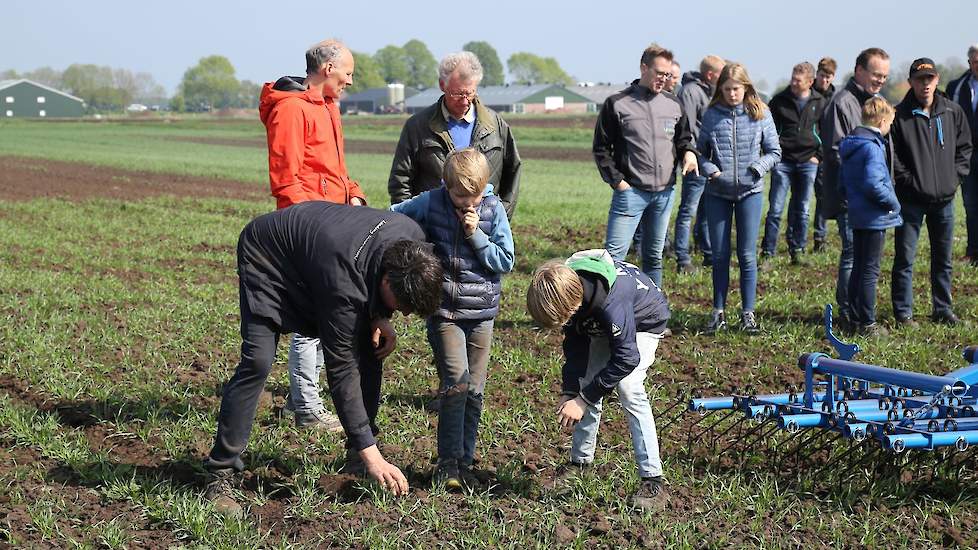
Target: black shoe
x,y
818,245
748,323
872,330
434,405
717,322
448,476
651,495
685,269
797,257
707,261
907,322
945,318
220,492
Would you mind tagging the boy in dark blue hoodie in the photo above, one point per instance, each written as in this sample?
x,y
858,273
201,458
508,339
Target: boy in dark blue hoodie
x,y
613,317
864,179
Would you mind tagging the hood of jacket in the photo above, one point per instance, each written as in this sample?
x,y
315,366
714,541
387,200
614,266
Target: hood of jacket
x,y
695,77
860,138
287,87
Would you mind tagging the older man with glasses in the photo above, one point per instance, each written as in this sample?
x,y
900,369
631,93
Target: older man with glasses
x,y
456,121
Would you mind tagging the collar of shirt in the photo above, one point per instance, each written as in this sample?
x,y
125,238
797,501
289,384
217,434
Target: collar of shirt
x,y
468,117
974,92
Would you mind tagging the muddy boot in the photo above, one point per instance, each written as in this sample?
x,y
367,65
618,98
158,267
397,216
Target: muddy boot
x,y
319,420
651,495
354,464
220,492
447,475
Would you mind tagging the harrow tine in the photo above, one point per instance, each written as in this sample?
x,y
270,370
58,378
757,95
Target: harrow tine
x,y
739,422
782,453
835,436
670,408
845,454
746,437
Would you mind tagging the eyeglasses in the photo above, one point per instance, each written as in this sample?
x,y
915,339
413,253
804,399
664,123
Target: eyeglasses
x,y
461,95
663,76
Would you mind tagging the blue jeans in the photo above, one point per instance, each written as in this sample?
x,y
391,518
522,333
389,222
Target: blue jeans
x,y
969,193
845,264
867,249
799,178
305,368
632,207
821,229
719,213
461,350
690,209
940,229
633,398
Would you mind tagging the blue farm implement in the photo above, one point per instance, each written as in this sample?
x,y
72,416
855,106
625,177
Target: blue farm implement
x,y
907,421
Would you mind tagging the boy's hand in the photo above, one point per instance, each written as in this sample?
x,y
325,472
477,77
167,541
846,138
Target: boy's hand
x,y
571,412
470,220
383,337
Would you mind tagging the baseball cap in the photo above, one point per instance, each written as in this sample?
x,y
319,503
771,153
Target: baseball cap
x,y
923,66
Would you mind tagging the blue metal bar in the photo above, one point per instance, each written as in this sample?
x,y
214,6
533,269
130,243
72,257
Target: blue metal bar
x,y
958,439
818,363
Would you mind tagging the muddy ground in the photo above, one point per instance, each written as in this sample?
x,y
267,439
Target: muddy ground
x,y
128,456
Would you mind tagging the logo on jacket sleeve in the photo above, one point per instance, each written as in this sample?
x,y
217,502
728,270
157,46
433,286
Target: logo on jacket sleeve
x,y
615,330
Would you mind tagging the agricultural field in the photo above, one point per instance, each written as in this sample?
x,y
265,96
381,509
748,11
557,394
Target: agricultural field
x,y
118,296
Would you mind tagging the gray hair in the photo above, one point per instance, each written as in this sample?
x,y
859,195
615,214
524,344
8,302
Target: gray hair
x,y
466,64
322,53
972,50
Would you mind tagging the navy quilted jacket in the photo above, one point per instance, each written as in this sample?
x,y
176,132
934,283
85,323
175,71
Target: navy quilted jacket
x,y
741,161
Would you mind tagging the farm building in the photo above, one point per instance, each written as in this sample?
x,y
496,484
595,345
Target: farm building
x,y
597,93
516,98
24,98
389,99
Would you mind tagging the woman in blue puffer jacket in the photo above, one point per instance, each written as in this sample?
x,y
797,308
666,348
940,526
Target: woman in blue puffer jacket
x,y
738,145
864,180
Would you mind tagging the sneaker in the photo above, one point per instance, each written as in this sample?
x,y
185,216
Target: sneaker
x,y
448,476
907,322
871,329
220,492
748,323
945,318
686,268
717,322
320,420
818,245
651,495
354,464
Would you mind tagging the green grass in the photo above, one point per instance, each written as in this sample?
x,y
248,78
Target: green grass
x,y
126,315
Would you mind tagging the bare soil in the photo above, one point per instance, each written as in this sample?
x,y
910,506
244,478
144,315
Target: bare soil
x,y
23,178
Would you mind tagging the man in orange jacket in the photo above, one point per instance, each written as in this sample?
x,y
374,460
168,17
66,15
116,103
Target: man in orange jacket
x,y
306,163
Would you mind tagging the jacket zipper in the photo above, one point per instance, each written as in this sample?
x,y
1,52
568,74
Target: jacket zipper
x,y
455,261
733,141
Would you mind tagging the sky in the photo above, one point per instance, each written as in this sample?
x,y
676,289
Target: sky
x,y
593,41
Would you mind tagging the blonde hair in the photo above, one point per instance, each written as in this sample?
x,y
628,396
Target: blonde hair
x,y
877,110
466,172
554,294
713,63
752,101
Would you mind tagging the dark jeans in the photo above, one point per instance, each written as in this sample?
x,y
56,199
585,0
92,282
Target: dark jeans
x,y
239,402
940,229
845,264
969,194
867,249
690,209
795,178
461,350
821,229
720,213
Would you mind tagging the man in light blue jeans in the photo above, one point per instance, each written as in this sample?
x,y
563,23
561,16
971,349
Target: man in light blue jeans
x,y
304,400
639,133
635,401
798,178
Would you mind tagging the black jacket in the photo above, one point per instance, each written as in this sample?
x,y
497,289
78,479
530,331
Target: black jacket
x,y
931,153
959,91
842,115
315,268
797,130
827,93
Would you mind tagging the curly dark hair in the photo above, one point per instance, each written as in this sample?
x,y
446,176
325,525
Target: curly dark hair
x,y
414,274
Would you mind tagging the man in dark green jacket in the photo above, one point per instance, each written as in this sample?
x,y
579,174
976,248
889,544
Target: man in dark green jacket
x,y
456,121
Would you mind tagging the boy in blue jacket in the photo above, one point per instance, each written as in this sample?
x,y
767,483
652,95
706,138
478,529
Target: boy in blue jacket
x,y
467,224
864,179
613,317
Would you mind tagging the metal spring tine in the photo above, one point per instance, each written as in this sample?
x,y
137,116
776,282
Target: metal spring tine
x,y
782,453
675,404
854,467
761,435
845,454
671,420
713,426
835,436
727,430
749,433
816,433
